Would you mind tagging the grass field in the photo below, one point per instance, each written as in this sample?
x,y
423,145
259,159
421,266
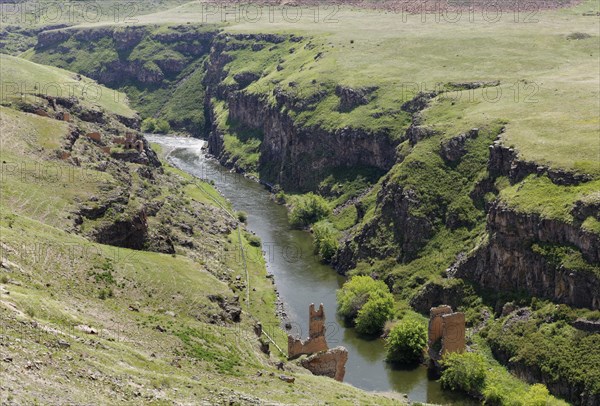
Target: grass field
x,y
155,338
549,90
24,79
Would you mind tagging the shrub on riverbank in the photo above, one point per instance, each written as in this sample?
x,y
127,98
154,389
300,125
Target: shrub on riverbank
x,y
406,342
480,375
155,126
366,303
373,315
325,240
242,216
465,372
308,209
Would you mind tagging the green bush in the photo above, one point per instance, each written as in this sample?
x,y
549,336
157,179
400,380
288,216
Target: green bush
x,y
356,294
373,315
155,126
325,240
308,209
406,342
105,293
537,395
464,372
254,240
242,216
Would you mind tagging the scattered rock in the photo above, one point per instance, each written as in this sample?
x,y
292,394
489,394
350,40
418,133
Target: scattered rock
x,y
288,379
352,98
587,325
86,329
472,85
331,363
578,36
508,308
455,148
95,136
244,79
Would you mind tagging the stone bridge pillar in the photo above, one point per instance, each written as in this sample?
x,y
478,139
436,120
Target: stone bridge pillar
x,y
446,332
321,360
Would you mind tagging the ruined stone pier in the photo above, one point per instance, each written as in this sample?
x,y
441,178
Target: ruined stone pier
x,y
316,341
321,360
446,332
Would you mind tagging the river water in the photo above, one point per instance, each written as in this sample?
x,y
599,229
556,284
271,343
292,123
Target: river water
x,y
301,279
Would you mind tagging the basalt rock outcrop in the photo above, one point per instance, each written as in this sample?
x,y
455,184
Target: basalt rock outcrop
x,y
454,148
504,161
352,98
507,263
293,155
410,232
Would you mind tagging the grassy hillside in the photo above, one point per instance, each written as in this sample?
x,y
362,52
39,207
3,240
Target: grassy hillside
x,y
82,319
548,77
528,80
22,79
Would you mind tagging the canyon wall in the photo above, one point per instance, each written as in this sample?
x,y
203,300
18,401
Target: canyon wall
x,y
507,262
293,155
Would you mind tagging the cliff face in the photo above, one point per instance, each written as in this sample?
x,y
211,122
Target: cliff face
x,y
146,62
507,262
186,45
504,161
409,232
293,155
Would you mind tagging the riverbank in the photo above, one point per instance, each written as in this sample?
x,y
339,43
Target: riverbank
x,y
301,278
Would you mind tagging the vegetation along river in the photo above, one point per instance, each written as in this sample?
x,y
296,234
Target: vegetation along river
x,y
301,279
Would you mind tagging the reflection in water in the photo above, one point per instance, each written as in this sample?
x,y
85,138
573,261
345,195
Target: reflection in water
x,y
301,279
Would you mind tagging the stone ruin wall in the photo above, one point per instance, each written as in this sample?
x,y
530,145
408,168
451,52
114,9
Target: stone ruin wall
x,y
321,361
446,328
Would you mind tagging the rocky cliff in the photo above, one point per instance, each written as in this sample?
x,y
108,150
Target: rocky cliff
x,y
508,263
146,62
292,154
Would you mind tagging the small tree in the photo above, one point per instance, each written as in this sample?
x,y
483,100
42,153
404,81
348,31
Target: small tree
x,y
148,125
162,127
406,342
373,315
464,372
538,395
155,126
357,292
308,209
326,243
242,216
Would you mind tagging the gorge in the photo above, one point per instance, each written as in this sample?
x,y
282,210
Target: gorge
x,y
451,171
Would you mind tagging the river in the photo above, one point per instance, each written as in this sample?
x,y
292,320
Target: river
x,y
301,279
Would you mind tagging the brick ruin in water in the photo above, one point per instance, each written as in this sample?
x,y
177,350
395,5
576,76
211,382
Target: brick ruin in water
x,y
321,360
446,332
